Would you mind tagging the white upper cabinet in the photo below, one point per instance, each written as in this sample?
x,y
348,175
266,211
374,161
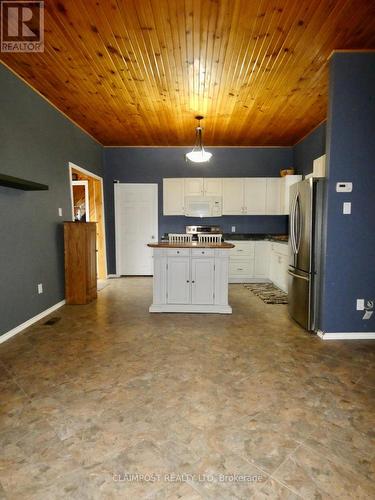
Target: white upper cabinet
x,y
194,186
274,196
173,196
233,196
255,189
212,186
240,196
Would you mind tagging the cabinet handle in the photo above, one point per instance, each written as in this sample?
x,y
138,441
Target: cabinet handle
x,y
178,251
193,281
187,281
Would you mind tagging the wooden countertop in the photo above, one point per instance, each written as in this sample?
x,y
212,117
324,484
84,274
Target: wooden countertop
x,y
194,244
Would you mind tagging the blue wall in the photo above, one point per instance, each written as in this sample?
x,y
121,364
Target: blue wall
x,y
310,147
37,142
349,259
152,164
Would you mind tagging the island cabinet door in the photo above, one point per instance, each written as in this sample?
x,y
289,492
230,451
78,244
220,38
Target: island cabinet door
x,y
203,280
178,280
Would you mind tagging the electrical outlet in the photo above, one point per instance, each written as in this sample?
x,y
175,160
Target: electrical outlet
x,y
60,212
40,287
233,229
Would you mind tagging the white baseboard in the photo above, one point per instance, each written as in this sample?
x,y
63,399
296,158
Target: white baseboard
x,y
240,279
29,322
109,276
346,335
190,308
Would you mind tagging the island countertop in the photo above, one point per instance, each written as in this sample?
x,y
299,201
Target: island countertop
x,y
194,244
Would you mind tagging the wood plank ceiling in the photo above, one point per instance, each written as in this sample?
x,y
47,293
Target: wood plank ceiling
x,y
136,72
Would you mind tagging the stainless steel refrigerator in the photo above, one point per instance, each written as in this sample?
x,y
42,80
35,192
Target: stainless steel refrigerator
x,y
305,228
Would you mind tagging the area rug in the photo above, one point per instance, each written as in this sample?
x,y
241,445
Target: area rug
x,y
268,292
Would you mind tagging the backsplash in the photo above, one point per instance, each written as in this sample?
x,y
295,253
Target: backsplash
x,y
253,224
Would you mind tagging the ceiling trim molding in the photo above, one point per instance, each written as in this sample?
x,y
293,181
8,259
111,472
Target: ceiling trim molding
x,y
310,132
206,147
50,103
334,51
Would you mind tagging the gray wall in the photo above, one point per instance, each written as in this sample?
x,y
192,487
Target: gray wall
x,y
349,258
152,164
310,147
37,142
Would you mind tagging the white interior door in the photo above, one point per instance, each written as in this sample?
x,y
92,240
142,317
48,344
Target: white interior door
x,y
136,224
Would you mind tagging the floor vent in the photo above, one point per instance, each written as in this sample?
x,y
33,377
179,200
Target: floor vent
x,y
52,321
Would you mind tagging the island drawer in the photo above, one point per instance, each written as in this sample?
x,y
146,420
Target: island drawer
x,y
178,252
203,252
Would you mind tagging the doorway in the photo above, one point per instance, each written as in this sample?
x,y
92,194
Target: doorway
x,y
81,210
136,224
88,206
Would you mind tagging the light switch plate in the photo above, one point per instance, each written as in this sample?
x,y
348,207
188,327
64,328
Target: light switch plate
x,y
40,287
60,212
360,304
233,229
347,208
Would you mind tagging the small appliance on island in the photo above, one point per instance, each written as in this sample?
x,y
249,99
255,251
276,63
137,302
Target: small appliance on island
x,y
191,272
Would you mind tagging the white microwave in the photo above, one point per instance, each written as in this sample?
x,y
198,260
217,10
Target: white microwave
x,y
203,206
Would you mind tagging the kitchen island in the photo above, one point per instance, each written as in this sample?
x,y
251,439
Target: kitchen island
x,y
191,277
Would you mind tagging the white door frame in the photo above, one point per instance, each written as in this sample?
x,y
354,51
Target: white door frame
x,y
155,187
87,172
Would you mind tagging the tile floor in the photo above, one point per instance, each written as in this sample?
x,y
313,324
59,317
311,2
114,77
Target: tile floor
x,y
203,406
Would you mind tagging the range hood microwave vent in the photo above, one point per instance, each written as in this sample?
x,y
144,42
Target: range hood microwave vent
x,y
203,206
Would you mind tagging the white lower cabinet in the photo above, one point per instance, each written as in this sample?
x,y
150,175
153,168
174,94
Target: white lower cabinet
x,y
259,261
279,265
248,262
178,280
202,280
191,280
262,260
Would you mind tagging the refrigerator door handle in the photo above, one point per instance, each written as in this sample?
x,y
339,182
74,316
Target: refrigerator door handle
x,y
298,276
292,225
298,228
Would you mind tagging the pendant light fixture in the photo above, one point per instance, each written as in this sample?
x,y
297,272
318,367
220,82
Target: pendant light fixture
x,y
198,154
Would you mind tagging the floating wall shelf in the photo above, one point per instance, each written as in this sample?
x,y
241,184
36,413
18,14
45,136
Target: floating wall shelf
x,y
17,183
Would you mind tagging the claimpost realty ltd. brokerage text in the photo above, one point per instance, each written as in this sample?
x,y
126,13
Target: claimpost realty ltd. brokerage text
x,y
187,477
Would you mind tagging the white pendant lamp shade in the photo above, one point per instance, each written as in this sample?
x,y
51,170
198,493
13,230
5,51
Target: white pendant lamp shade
x,y
198,154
